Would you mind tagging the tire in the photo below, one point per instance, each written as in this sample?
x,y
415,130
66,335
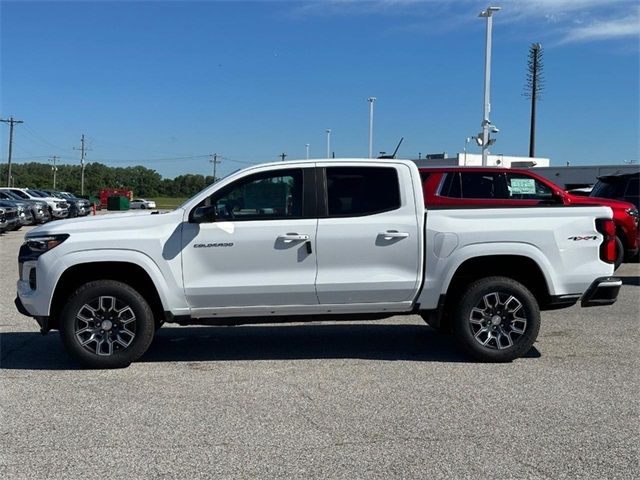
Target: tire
x,y
143,206
125,313
619,253
496,320
34,216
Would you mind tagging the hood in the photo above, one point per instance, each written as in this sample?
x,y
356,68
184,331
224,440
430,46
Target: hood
x,y
128,222
607,202
13,204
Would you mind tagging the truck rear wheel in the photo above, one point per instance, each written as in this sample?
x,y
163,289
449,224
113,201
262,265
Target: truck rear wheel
x,y
497,320
106,324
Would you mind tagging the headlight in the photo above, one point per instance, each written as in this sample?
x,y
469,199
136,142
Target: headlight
x,y
44,243
632,211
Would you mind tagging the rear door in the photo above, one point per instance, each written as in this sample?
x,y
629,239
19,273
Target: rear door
x,y
368,240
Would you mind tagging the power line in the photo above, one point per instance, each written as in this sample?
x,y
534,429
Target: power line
x,y
11,123
41,139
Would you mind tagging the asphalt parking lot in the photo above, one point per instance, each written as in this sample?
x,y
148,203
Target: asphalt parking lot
x,y
384,399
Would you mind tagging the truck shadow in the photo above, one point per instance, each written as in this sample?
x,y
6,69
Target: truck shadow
x,y
418,343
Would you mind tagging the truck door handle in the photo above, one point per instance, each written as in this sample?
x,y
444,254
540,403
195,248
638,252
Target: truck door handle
x,y
394,234
293,237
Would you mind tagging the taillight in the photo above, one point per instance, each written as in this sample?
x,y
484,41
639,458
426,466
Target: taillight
x,y
607,228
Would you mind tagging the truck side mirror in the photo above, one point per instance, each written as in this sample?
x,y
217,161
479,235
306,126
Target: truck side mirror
x,y
206,214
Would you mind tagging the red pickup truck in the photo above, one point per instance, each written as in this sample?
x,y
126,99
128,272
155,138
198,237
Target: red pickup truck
x,y
460,187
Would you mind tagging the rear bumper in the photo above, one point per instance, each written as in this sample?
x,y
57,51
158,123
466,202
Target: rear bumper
x,y
603,291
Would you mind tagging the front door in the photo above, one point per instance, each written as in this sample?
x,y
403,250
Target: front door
x,y
259,251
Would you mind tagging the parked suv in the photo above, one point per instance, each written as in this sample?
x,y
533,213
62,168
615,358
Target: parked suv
x,y
625,187
509,187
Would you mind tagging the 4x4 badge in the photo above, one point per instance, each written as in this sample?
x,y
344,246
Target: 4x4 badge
x,y
588,237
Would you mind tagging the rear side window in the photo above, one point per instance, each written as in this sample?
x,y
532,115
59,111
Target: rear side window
x,y
483,185
358,191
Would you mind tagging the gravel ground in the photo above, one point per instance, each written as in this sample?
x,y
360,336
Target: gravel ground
x,y
385,399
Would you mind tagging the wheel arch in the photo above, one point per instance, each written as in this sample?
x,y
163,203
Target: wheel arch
x,y
520,268
126,272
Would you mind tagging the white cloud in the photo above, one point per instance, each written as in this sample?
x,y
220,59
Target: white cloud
x,y
628,26
565,21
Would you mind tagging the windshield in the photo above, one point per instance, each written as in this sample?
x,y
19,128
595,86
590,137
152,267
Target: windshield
x,y
36,193
20,194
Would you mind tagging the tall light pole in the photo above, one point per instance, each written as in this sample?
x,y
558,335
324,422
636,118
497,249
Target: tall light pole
x,y
486,123
371,101
306,147
328,130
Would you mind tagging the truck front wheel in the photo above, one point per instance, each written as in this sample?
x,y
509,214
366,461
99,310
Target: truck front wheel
x,y
496,320
106,324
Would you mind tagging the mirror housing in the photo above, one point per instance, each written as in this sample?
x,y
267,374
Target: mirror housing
x,y
205,214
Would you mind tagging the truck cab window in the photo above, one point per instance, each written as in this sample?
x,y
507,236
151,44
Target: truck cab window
x,y
359,191
273,195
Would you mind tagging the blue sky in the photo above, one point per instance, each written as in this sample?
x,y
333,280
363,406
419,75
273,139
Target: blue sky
x,y
164,84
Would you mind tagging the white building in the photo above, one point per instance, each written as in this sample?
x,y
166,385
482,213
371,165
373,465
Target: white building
x,y
475,160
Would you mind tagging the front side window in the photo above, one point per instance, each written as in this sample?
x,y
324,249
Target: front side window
x,y
523,187
262,196
358,191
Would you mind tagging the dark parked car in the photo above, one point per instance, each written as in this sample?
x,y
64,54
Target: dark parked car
x,y
624,186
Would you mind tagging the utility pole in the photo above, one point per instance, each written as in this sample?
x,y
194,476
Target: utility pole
x,y
11,123
486,123
534,87
283,156
306,146
54,168
371,101
215,161
328,130
82,149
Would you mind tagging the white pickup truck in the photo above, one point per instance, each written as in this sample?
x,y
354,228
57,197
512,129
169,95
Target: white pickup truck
x,y
340,239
